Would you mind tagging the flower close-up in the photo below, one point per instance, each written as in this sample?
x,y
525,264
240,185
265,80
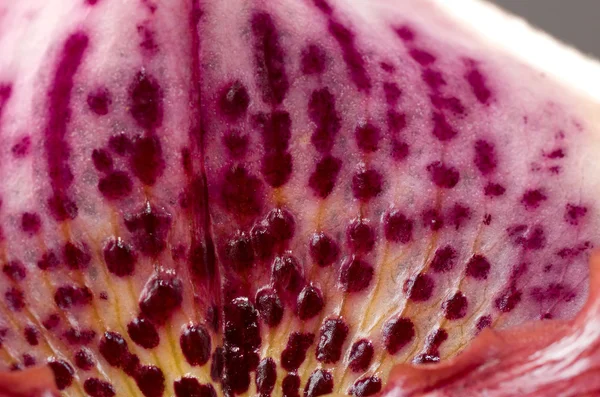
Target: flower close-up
x,y
204,198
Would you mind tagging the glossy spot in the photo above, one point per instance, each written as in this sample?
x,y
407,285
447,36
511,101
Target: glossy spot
x,y
361,355
419,288
150,380
367,184
310,302
313,59
149,228
366,387
478,267
269,307
355,275
324,251
161,296
63,373
263,241
397,333
444,259
456,307
84,359
119,257
239,253
287,274
113,348
266,375
332,336
281,224
195,344
294,353
360,236
98,388
143,333
68,296
323,178
189,386
319,383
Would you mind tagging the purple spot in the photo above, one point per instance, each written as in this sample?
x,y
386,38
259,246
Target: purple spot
x,y
508,300
528,237
120,144
68,296
277,168
31,335
400,150
442,175
263,241
147,160
266,375
574,213
533,198
485,156
397,333
494,190
148,43
313,59
441,129
84,359
458,214
190,387
195,344
234,100
322,112
366,184
478,83
323,178
63,373
432,219
396,121
556,154
143,333
287,275
99,100
146,106
149,228
332,336
150,380
290,385
15,299
31,223
98,388
455,308
367,137
14,270
483,322
478,267
392,93
422,57
77,336
419,288
434,80
236,143
240,192
21,148
444,259
116,185
77,255
355,275
353,59
281,224
239,253
405,33
102,160
323,249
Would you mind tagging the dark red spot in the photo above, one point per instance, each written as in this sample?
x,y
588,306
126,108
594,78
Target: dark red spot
x,y
62,207
30,223
487,219
28,360
494,189
392,93
367,137
353,59
312,59
76,336
361,236
236,143
143,333
151,381
266,375
533,198
14,270
323,6
459,214
239,253
361,355
528,237
31,335
478,267
120,144
366,184
269,58
146,159
148,43
478,84
422,57
84,359
442,175
397,333
556,154
434,80
483,322
310,302
269,307
397,227
290,385
456,307
287,274
241,325
419,288
63,373
113,348
323,249
149,228
319,383
21,148
263,241
51,321
68,296
574,213
508,300
332,336
444,259
276,168
189,386
119,257
77,255
234,100
294,353
485,158
15,299
99,100
48,261
116,185
366,387
400,150
396,121
162,295
216,365
441,129
98,388
240,192
322,112
432,219
323,178
195,344
146,101
355,275
281,224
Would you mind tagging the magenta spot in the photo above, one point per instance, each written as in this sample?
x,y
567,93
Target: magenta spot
x,y
360,236
556,154
322,112
98,388
150,380
102,160
146,159
400,150
444,259
508,300
236,143
485,156
287,274
332,336
455,308
574,213
76,255
323,6
494,189
313,59
442,175
119,257
432,219
68,296
294,353
397,333
116,185
51,321
269,307
234,100
15,299
434,80
266,375
239,253
396,121
120,144
195,344
270,59
398,227
353,59
478,267
5,93
533,198
323,249
323,178
31,335
366,386
319,383
419,288
422,57
189,386
367,137
84,359
21,148
366,184
387,67
77,336
310,302
281,224
478,84
146,101
361,355
148,43
14,270
149,228
63,373
392,93
62,207
355,275
441,129
240,192
99,100
405,33
276,168
528,237
162,296
143,333
458,214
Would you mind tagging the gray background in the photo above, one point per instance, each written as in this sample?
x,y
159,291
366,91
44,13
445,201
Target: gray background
x,y
576,22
